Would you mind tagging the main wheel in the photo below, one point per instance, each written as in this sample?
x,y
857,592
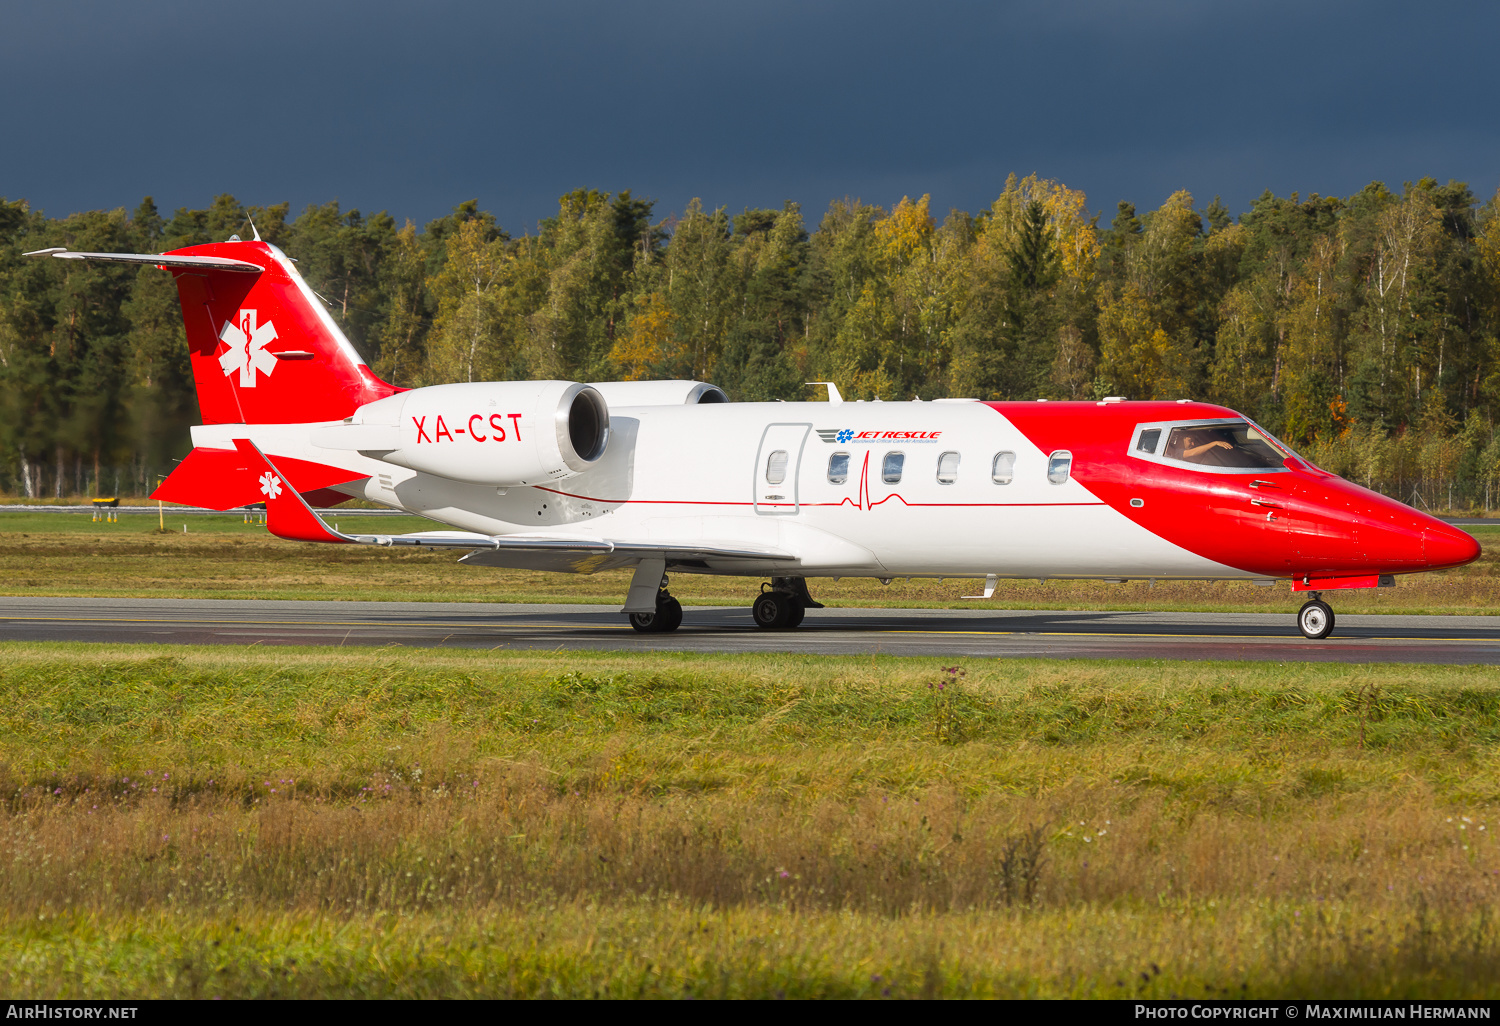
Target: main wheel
x,y
1315,620
668,617
669,612
797,612
645,623
771,610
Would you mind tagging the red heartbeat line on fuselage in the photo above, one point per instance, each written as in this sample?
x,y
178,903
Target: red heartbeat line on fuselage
x,y
846,501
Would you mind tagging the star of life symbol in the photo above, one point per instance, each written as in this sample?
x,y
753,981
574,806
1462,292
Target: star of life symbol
x,y
270,485
844,435
247,343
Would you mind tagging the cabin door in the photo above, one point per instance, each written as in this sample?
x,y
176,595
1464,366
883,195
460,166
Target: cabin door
x,y
778,466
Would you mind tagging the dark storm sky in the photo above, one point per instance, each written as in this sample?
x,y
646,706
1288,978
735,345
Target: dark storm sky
x,y
415,107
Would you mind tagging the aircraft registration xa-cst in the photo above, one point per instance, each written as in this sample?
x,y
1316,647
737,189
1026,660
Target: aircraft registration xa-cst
x,y
668,476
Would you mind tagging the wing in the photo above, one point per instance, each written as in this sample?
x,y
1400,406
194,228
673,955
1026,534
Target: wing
x,y
590,555
289,516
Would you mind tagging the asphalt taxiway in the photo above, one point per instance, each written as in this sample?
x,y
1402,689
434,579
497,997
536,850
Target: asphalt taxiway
x,y
995,633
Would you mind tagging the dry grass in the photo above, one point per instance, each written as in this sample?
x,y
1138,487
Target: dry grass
x,y
312,822
511,838
221,557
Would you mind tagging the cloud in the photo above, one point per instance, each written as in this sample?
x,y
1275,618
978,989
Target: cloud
x,y
416,108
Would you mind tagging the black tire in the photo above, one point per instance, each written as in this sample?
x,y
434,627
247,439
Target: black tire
x,y
771,610
1315,620
667,618
645,623
669,615
795,614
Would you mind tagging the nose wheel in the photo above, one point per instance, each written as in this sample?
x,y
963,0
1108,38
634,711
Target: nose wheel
x,y
1315,620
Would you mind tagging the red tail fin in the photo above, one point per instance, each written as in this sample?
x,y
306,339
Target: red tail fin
x,y
264,349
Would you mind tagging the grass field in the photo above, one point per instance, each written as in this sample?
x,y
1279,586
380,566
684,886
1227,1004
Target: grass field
x,y
223,557
246,822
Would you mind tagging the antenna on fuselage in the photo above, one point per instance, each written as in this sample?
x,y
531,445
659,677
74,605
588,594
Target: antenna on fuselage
x,y
833,390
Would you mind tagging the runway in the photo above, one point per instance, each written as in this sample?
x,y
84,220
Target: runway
x,y
1058,634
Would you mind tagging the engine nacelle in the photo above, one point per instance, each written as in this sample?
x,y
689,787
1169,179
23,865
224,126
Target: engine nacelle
x,y
500,433
659,393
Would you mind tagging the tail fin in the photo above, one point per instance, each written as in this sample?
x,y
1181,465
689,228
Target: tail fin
x,y
264,349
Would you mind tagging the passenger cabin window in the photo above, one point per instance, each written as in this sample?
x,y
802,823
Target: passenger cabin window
x,y
776,467
838,468
947,471
1148,440
1004,468
1237,446
890,467
1058,466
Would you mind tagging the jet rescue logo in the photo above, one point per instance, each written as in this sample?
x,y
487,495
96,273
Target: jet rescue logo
x,y
247,343
846,436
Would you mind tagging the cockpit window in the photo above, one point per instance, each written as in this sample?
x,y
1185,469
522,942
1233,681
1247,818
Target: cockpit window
x,y
1220,446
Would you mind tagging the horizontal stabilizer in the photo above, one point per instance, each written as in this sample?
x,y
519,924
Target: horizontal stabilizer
x,y
154,260
227,478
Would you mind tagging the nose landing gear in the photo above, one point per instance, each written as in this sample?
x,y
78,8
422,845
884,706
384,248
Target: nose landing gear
x,y
1315,618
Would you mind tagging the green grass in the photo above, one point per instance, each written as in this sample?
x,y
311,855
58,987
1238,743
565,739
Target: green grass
x,y
307,707
670,949
323,822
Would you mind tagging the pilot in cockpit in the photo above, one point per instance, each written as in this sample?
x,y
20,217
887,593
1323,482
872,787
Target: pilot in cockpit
x,y
1190,446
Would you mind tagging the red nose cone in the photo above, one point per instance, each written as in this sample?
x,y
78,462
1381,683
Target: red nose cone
x,y
1444,545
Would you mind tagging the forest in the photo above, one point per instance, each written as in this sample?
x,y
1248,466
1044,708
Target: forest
x,y
1363,330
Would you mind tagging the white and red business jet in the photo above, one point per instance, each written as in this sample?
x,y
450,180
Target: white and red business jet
x,y
669,476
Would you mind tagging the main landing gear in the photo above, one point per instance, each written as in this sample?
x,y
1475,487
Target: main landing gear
x,y
783,604
1315,619
668,615
780,605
